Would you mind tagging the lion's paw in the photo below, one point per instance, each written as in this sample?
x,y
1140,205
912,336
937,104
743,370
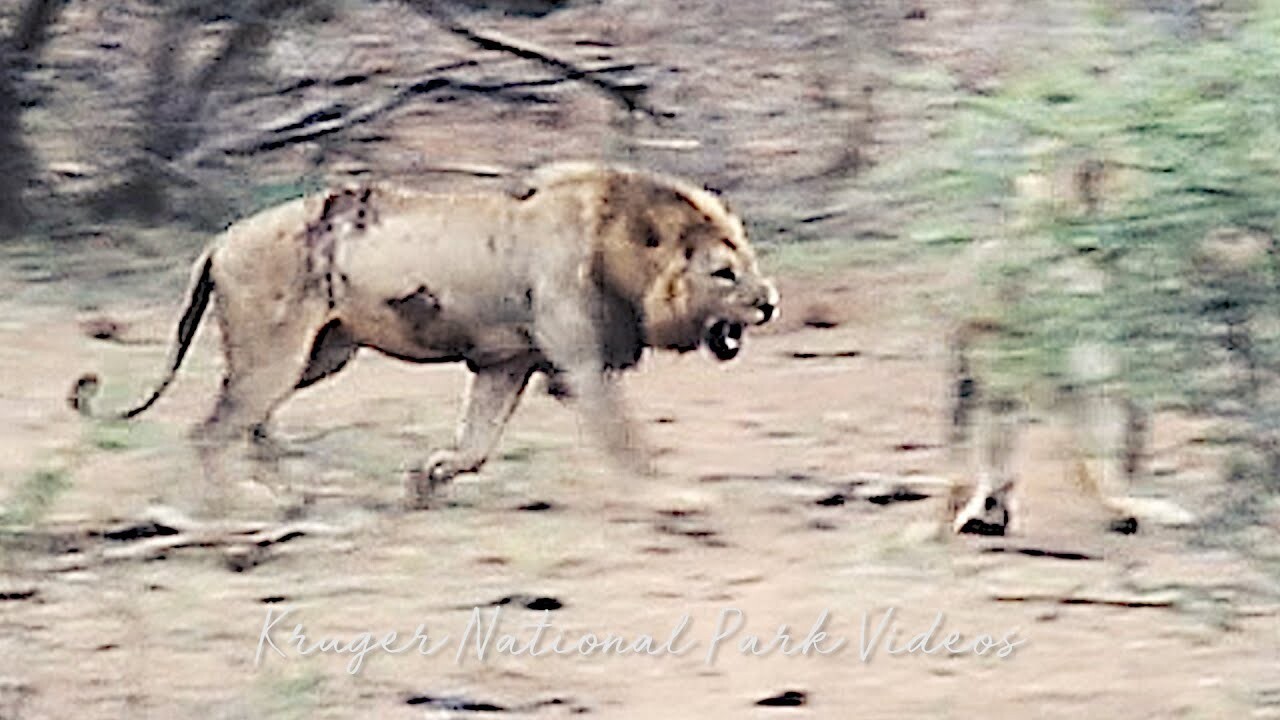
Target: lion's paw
x,y
986,514
420,484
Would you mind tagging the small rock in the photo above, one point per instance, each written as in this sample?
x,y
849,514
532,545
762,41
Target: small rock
x,y
1124,526
102,328
71,170
790,698
139,532
898,495
456,704
17,595
530,602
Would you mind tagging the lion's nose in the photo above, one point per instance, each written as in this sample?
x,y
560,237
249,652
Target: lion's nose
x,y
767,311
767,302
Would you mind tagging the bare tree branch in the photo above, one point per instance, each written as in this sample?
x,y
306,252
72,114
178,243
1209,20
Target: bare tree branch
x,y
319,121
629,97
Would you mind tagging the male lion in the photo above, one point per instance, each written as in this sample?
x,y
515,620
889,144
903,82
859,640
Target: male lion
x,y
574,275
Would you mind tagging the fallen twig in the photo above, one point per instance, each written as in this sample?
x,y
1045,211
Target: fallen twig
x,y
1149,600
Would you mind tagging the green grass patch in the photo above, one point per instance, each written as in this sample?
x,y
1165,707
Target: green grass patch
x,y
288,695
1108,177
265,195
34,496
122,436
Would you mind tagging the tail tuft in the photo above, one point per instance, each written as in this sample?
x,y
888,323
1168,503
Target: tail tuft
x,y
82,394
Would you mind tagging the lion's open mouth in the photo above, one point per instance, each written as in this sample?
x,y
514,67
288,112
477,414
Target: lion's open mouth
x,y
724,339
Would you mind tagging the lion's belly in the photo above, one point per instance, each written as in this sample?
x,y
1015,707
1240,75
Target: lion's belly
x,y
426,327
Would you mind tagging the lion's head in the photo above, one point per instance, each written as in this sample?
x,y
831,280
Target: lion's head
x,y
716,287
677,254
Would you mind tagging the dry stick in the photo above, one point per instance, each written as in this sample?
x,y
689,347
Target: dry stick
x,y
329,119
630,97
335,118
472,170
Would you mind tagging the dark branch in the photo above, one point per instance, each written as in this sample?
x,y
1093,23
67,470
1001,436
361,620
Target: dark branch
x,y
630,97
318,122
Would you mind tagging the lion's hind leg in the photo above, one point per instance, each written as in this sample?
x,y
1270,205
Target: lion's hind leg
x,y
267,353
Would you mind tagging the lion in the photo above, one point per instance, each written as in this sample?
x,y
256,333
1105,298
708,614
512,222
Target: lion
x,y
572,274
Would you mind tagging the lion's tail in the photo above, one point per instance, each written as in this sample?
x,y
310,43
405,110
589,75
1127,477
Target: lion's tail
x,y
198,293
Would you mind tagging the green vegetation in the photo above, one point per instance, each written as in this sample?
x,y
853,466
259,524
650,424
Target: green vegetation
x,y
1134,192
119,435
268,195
288,695
33,497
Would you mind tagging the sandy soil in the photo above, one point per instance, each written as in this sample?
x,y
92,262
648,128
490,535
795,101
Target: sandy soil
x,y
1155,625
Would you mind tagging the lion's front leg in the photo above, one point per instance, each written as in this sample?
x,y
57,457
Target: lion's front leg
x,y
491,397
991,506
568,334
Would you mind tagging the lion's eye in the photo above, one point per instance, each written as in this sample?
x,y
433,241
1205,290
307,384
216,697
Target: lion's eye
x,y
725,274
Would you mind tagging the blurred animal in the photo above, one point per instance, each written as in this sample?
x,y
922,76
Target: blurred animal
x,y
1108,431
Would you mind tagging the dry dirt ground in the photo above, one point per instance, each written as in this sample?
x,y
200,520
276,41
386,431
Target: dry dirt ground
x,y
772,503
